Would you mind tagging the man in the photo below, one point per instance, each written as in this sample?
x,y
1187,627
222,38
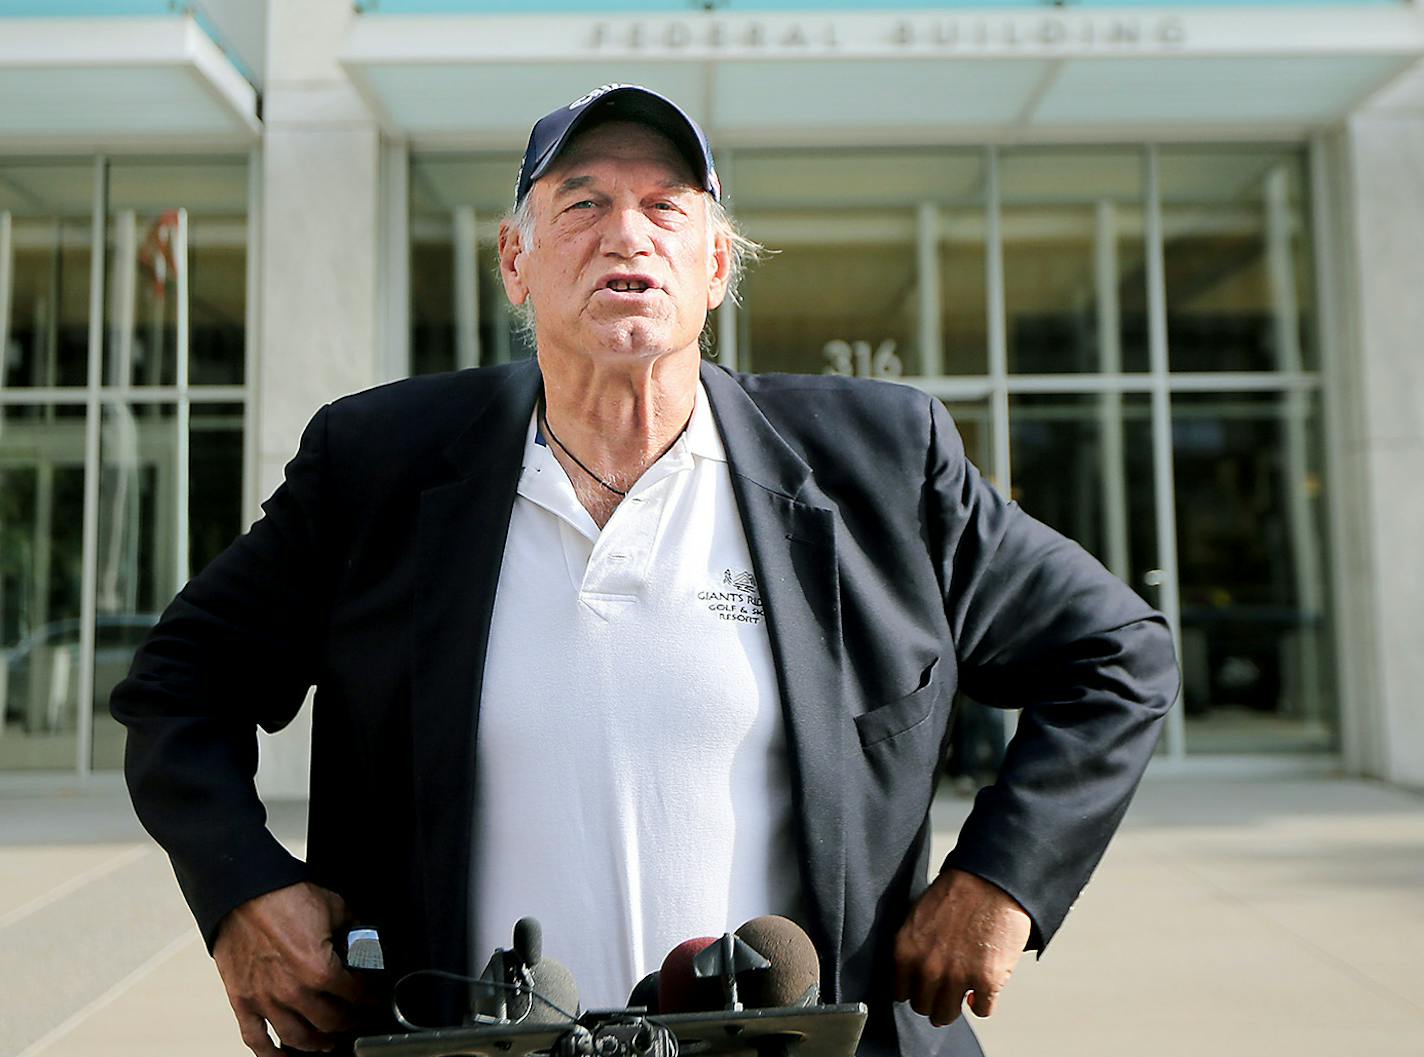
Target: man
x,y
640,647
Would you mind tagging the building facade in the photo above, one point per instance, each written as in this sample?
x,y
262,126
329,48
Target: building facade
x,y
1162,264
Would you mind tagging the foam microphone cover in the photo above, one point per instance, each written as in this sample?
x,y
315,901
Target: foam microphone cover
x,y
645,994
528,941
794,978
679,991
555,999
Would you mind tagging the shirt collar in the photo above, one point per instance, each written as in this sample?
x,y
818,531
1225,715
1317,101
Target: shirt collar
x,y
703,440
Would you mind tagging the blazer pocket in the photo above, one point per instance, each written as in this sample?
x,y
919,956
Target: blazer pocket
x,y
897,716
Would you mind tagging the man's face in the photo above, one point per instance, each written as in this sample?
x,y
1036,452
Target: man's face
x,y
623,262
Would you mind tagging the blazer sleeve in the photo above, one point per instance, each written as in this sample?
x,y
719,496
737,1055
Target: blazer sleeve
x,y
1039,625
237,648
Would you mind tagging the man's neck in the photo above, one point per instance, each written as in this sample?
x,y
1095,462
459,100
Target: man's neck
x,y
616,421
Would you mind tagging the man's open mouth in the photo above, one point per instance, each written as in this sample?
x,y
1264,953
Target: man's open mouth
x,y
631,284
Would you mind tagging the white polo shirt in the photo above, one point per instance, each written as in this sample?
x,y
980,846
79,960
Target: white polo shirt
x,y
633,783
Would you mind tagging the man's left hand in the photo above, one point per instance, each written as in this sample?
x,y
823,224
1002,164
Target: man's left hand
x,y
962,938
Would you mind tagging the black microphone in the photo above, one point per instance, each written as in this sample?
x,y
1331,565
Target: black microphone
x,y
520,985
645,993
528,941
794,977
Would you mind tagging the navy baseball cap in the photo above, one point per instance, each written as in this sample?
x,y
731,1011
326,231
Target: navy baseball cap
x,y
615,102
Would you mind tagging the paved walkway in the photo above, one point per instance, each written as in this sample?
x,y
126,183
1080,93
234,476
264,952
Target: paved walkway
x,y
1230,918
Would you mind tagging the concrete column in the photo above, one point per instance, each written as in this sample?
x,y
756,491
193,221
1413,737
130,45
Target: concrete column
x,y
318,285
1381,456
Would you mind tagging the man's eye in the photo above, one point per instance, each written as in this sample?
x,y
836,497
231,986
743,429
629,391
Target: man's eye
x,y
585,204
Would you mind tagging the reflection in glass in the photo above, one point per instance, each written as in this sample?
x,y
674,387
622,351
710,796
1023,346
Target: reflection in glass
x,y
459,316
215,433
1237,252
1082,463
144,257
139,558
837,298
45,230
137,570
879,262
41,572
1074,281
1250,507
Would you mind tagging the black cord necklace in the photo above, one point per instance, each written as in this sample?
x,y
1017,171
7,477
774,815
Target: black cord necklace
x,y
544,424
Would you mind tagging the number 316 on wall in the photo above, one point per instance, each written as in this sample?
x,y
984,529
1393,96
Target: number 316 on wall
x,y
859,359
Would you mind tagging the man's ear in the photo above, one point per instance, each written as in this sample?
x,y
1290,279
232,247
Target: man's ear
x,y
511,261
719,269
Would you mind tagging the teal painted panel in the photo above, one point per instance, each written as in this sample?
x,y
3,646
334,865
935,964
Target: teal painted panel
x,y
649,7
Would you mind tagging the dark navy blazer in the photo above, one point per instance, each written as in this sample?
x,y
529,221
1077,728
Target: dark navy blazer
x,y
891,574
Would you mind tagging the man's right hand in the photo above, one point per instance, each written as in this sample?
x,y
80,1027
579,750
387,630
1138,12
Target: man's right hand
x,y
279,966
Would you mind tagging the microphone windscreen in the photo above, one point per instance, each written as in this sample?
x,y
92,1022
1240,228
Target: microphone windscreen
x,y
645,994
794,978
679,991
528,941
555,999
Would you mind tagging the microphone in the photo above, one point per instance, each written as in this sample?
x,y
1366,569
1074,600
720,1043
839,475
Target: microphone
x,y
521,985
768,963
680,990
794,978
528,941
645,993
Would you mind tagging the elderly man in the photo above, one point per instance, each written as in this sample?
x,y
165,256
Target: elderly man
x,y
640,647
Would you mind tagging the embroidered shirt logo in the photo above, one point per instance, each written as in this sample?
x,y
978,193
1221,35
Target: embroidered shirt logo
x,y
736,599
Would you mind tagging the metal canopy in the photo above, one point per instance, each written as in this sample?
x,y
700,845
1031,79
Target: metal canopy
x,y
112,80
909,76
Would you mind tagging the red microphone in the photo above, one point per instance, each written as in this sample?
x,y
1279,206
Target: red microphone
x,y
679,990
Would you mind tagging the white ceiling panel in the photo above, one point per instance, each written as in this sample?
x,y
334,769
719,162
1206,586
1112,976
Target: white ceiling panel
x,y
756,96
107,101
880,76
493,98
1260,90
67,79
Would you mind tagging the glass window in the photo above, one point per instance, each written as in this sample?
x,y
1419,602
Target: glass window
x,y
137,572
459,315
1237,252
877,266
1250,510
48,206
215,437
139,562
1082,463
41,579
46,231
1074,282
141,336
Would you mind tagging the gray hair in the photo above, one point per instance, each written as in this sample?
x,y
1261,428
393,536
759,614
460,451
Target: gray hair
x,y
744,252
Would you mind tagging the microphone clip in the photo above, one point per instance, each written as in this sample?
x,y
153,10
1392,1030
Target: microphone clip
x,y
724,959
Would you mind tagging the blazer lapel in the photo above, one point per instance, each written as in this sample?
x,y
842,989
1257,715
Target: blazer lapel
x,y
790,529
460,545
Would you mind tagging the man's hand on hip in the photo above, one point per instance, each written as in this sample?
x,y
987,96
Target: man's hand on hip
x,y
278,964
962,938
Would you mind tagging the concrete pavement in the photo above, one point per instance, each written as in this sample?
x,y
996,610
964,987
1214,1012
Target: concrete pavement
x,y
1231,917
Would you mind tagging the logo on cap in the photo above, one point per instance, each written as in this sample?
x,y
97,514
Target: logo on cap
x,y
584,100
